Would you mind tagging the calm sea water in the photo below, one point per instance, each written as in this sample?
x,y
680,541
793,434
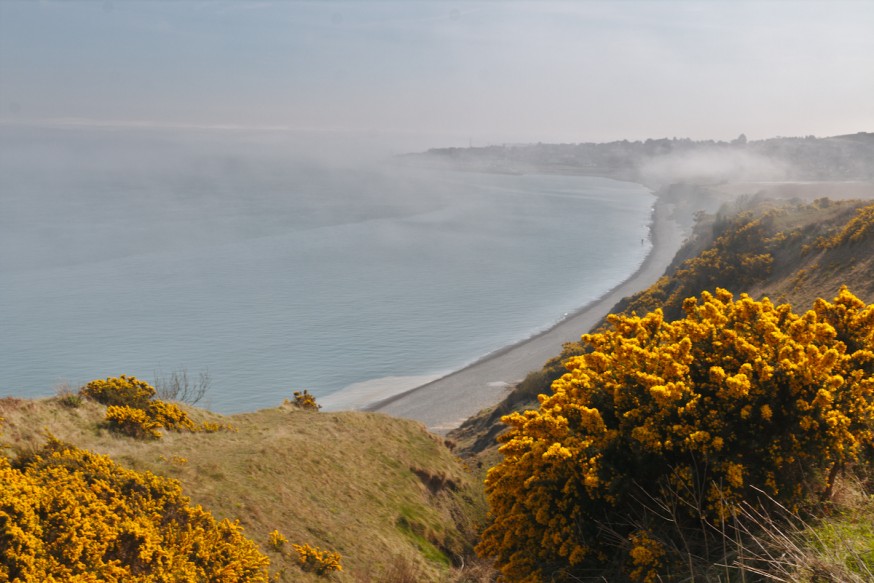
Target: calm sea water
x,y
277,266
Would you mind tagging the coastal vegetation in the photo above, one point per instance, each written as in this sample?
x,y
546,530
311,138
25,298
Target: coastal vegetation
x,y
805,251
377,496
132,410
802,251
67,514
697,433
641,459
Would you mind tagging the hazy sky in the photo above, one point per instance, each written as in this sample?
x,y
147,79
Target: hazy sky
x,y
488,72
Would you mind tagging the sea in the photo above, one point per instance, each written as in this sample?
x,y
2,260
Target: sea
x,y
278,261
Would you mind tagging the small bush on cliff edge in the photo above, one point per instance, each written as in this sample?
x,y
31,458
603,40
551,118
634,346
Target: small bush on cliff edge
x,y
304,400
649,444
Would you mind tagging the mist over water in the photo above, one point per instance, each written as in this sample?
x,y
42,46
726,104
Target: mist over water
x,y
280,261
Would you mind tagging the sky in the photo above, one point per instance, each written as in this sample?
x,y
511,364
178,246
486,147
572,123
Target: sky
x,y
459,72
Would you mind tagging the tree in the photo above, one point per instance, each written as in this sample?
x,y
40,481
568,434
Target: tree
x,y
665,427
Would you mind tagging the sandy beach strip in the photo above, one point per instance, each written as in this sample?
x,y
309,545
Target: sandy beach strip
x,y
443,404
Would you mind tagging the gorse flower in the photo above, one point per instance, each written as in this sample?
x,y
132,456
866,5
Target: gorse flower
x,y
132,422
67,514
309,558
737,398
123,390
859,228
316,560
276,541
132,409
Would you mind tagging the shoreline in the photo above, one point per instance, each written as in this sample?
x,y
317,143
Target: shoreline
x,y
446,402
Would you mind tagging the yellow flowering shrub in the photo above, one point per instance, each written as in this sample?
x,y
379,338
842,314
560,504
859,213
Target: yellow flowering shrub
x,y
859,228
71,515
646,557
309,558
170,416
211,427
667,426
132,409
132,422
123,390
316,560
276,541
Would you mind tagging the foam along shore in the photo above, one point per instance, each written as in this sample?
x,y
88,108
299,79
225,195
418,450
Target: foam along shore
x,y
365,393
444,403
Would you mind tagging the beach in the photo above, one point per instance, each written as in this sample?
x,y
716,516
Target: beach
x,y
444,403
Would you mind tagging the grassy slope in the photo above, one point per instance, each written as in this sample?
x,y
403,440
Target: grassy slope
x,y
382,492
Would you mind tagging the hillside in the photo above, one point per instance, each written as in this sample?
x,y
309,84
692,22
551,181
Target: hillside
x,y
575,490
789,250
382,492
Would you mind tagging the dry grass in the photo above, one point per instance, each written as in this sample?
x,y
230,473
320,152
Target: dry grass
x,y
837,546
380,491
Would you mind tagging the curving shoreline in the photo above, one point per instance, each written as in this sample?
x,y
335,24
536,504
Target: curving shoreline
x,y
445,403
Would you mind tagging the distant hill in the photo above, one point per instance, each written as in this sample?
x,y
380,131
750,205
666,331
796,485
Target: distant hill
x,y
665,161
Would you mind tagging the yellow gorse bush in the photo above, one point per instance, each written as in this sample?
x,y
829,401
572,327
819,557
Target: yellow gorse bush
x,y
663,425
132,422
132,409
170,415
67,514
859,228
276,541
122,390
646,557
316,560
309,558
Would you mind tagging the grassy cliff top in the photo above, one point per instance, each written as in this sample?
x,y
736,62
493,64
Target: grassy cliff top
x,y
382,492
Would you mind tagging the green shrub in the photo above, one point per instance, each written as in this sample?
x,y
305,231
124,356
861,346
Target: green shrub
x,y
71,400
